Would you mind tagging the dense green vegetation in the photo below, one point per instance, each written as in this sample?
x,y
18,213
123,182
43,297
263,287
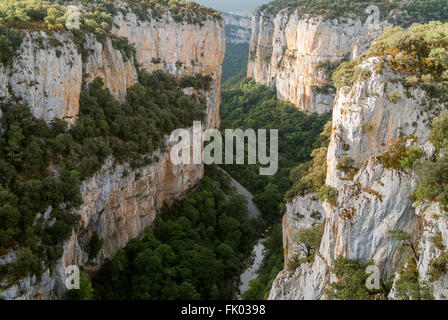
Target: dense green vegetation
x,y
328,8
310,176
409,11
409,286
42,166
249,105
85,291
351,284
438,266
235,60
182,11
10,41
192,252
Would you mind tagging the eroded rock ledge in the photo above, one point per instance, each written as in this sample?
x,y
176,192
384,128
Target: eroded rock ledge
x,y
118,202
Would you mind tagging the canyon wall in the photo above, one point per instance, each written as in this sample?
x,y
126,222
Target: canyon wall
x,y
118,202
296,53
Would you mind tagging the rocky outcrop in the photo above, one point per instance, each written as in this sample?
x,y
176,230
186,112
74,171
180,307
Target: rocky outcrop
x,y
118,202
296,53
366,123
183,49
301,212
238,28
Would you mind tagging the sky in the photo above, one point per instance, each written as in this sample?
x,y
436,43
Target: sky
x,y
233,5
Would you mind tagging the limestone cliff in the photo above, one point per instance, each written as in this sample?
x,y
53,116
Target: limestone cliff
x,y
301,212
118,202
296,53
238,27
366,124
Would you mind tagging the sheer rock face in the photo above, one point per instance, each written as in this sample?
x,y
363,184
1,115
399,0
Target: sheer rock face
x,y
238,28
366,122
182,49
376,199
49,77
292,52
435,224
49,81
301,212
118,202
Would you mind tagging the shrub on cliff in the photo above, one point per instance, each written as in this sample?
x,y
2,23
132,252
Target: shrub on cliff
x,y
346,164
409,286
438,266
412,157
309,177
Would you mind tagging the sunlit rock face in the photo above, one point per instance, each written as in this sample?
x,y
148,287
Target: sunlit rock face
x,y
49,77
118,202
238,28
377,199
294,53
